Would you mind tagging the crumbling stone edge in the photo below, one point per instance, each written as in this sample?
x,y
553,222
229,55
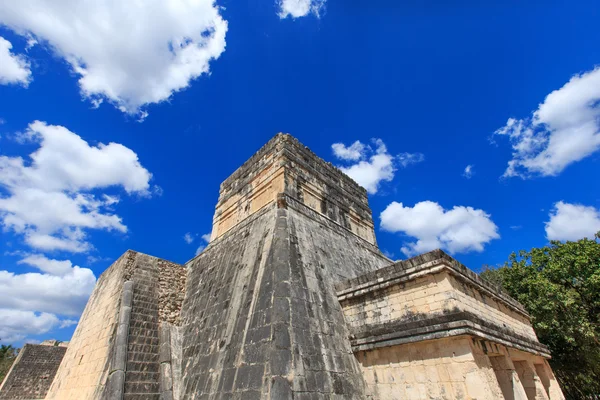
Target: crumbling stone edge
x,y
118,364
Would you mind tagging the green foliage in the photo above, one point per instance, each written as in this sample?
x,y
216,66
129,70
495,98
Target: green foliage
x,y
7,356
6,351
559,285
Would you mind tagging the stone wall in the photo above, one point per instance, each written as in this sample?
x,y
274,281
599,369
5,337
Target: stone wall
x,y
430,297
85,367
325,189
285,166
260,317
226,321
460,367
158,290
429,328
441,369
32,372
469,297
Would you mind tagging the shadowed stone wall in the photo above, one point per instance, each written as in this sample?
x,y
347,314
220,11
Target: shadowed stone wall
x,y
261,318
32,372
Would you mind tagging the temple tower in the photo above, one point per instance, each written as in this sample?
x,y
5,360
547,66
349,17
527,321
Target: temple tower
x,y
292,299
264,320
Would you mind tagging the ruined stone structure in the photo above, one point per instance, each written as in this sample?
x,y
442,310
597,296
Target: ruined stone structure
x,y
292,299
33,370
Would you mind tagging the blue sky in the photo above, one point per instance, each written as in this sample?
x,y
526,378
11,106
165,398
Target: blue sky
x,y
143,114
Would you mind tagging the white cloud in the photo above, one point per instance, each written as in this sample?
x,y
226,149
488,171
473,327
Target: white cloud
x,y
406,159
572,222
15,325
189,238
459,230
373,169
65,323
31,301
66,294
50,197
354,152
468,173
131,53
564,129
14,69
44,264
206,239
300,8
372,166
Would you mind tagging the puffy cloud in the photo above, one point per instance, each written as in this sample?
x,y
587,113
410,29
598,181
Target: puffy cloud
x,y
468,173
44,264
65,294
572,222
15,325
354,152
131,53
30,302
50,197
14,69
66,162
406,159
300,8
459,230
564,129
370,172
372,166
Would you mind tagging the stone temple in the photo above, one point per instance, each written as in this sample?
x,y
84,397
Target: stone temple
x,y
292,299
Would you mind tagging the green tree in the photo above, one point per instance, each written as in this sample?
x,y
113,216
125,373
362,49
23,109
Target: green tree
x,y
559,285
7,356
6,351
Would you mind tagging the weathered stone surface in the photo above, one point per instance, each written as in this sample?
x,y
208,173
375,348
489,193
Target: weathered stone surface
x,y
285,166
427,297
118,331
85,367
32,372
292,299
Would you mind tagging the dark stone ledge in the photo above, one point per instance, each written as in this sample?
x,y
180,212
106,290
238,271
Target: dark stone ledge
x,y
419,327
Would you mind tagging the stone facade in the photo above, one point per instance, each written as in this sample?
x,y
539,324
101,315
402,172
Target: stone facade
x,y
115,350
292,299
428,328
33,371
